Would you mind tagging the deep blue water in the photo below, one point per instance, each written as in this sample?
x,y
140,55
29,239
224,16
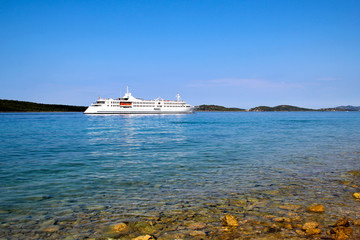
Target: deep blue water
x,y
55,163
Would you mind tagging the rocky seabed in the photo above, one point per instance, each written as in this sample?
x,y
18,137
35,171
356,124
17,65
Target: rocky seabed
x,y
324,210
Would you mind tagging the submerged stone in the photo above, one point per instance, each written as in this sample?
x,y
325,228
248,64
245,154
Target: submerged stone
x,y
318,208
313,231
356,222
342,222
282,219
120,228
288,226
272,229
310,225
230,220
197,233
51,229
354,172
196,226
95,207
145,237
299,232
144,227
341,233
48,222
356,195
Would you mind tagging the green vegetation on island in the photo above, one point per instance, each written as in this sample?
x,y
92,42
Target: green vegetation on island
x,y
21,106
216,108
341,108
280,108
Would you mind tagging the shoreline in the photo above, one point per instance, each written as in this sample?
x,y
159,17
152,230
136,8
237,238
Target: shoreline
x,y
279,213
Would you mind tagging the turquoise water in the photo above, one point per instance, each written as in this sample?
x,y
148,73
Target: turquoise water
x,y
69,165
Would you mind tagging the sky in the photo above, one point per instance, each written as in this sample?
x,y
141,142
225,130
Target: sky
x,y
231,53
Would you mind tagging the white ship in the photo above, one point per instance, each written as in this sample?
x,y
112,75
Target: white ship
x,y
131,105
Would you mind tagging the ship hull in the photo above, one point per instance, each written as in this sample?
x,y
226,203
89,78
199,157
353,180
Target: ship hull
x,y
104,111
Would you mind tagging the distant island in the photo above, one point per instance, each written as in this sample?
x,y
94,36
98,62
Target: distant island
x,y
216,108
23,106
280,108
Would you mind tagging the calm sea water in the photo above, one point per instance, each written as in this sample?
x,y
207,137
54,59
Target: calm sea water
x,y
55,165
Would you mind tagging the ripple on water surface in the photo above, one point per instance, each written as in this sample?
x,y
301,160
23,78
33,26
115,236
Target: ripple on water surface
x,y
73,175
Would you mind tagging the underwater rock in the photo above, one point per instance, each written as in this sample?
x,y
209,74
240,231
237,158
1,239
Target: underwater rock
x,y
356,222
299,232
296,218
95,207
229,220
48,222
342,222
356,195
272,229
282,219
145,237
310,228
318,208
288,226
341,233
196,226
120,228
51,229
354,172
144,227
197,233
313,231
310,225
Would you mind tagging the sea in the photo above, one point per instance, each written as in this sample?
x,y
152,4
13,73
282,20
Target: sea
x,y
72,176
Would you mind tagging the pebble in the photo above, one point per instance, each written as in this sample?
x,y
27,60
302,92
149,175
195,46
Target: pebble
x,y
310,225
51,229
299,232
145,237
196,226
48,222
288,226
356,222
121,227
282,219
230,220
342,222
341,233
356,195
313,231
95,207
318,208
197,233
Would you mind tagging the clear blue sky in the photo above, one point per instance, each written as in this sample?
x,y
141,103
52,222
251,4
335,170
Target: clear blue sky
x,y
231,53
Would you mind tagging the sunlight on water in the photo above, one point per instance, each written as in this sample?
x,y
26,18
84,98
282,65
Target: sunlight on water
x,y
66,166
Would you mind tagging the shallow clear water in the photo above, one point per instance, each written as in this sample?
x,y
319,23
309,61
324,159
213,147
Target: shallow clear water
x,y
53,165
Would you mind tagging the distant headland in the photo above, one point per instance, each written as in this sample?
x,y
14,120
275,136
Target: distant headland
x,y
23,106
280,108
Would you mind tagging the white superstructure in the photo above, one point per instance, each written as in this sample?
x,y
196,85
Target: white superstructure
x,y
131,105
